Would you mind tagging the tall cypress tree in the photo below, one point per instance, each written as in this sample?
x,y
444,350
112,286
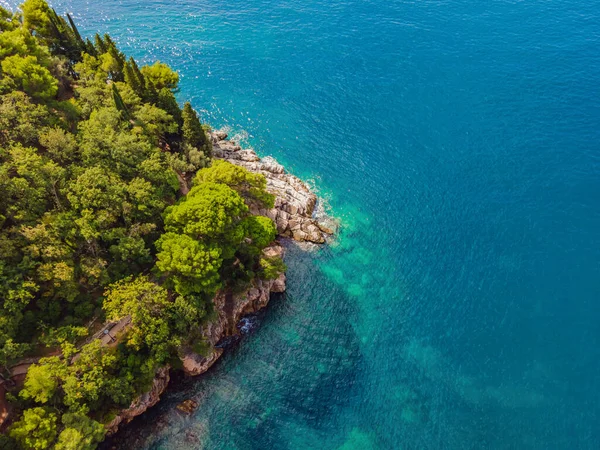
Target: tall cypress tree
x,y
54,24
64,41
138,73
89,48
192,131
118,56
166,100
75,31
119,103
132,80
100,44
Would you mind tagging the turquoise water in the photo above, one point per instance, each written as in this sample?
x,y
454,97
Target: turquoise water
x,y
459,143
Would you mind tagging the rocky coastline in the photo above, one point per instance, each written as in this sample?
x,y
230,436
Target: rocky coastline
x,y
295,214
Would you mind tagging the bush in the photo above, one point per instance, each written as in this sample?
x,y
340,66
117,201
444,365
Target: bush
x,y
271,268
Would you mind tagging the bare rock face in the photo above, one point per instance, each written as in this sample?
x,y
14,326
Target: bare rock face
x,y
231,308
195,364
143,402
295,203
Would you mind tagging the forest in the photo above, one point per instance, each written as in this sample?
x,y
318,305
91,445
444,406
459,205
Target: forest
x,y
112,207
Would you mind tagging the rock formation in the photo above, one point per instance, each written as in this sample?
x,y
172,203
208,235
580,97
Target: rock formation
x,y
294,215
295,204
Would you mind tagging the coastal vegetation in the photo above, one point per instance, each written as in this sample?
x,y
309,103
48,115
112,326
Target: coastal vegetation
x,y
112,209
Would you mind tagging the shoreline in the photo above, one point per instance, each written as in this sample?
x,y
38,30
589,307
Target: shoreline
x,y
294,215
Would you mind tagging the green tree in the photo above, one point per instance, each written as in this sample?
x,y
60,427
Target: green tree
x,y
40,384
193,267
24,73
78,38
148,306
93,380
166,100
7,21
36,18
20,42
21,119
260,231
251,186
80,433
271,268
118,58
192,131
100,45
60,144
36,429
157,122
209,211
161,76
131,78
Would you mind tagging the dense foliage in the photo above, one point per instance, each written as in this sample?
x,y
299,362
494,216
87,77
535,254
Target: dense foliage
x,y
95,158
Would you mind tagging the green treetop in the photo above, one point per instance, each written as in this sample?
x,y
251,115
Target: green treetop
x,y
148,306
36,429
160,76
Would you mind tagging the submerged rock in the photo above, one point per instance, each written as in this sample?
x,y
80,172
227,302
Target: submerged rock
x,y
187,406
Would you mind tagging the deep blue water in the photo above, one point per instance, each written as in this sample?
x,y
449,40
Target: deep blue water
x,y
459,143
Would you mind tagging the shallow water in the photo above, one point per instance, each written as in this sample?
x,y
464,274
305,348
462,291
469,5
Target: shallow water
x,y
458,141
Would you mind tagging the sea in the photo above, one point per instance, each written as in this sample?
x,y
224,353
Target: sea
x,y
458,144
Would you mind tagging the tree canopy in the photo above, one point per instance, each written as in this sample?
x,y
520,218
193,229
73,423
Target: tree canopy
x,y
95,155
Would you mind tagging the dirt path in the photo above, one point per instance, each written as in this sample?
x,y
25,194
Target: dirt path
x,y
108,336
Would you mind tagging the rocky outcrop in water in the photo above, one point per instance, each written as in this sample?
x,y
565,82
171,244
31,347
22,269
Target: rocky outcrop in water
x,y
295,207
187,407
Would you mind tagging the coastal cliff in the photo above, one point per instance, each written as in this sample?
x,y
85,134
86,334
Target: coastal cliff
x,y
295,214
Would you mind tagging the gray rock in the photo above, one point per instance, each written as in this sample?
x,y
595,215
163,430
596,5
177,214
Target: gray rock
x,y
219,135
294,201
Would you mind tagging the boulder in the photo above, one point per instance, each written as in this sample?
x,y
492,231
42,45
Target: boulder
x,y
187,407
219,135
195,364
